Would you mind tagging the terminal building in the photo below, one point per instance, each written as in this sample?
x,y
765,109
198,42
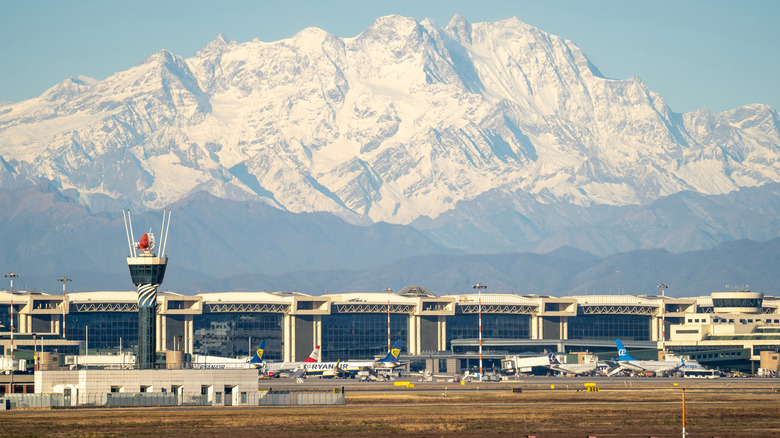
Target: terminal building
x,y
726,330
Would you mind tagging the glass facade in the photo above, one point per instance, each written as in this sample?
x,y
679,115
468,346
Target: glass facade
x,y
349,336
147,274
174,331
737,302
106,329
5,317
610,326
494,325
147,334
42,323
228,334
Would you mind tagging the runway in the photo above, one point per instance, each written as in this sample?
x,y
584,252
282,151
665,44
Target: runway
x,y
530,384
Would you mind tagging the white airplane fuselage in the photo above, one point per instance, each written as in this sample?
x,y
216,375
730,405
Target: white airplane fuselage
x,y
652,366
579,368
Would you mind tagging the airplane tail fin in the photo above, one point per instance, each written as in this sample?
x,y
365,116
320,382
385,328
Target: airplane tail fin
x,y
258,357
553,359
314,356
392,356
622,352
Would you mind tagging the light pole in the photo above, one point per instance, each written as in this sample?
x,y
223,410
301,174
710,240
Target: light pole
x,y
63,279
663,315
12,275
388,290
479,287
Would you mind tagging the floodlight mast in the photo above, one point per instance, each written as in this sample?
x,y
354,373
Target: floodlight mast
x,y
479,287
12,275
388,290
663,315
63,279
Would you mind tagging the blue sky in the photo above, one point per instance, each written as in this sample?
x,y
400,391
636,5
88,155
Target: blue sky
x,y
698,54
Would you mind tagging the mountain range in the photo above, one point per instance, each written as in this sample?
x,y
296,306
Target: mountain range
x,y
218,245
407,140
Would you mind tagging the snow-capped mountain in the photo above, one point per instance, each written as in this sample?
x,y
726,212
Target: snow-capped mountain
x,y
402,122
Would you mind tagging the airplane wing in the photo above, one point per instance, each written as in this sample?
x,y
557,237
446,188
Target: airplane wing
x,y
670,369
340,372
368,370
300,373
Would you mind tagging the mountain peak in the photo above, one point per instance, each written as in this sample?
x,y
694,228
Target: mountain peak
x,y
219,44
163,56
69,88
394,25
223,39
312,36
460,28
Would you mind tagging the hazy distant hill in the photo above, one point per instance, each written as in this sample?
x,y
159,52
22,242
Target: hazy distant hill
x,y
46,235
564,272
681,222
220,245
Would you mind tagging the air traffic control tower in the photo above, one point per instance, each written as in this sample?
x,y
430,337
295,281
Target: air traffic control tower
x,y
147,271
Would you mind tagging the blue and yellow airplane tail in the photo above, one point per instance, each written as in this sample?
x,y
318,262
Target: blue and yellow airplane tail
x,y
258,357
392,356
622,352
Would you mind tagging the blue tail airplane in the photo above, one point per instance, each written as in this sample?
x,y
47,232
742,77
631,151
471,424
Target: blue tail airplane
x,y
653,366
219,363
333,369
622,352
258,357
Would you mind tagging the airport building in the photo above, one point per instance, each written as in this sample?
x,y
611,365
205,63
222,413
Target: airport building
x,y
189,387
727,330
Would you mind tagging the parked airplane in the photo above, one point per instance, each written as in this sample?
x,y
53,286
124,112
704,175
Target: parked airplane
x,y
575,368
350,369
654,366
274,368
220,363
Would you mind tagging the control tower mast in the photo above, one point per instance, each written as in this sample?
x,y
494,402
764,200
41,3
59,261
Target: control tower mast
x,y
147,271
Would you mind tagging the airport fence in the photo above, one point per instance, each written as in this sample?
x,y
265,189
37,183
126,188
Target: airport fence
x,y
148,399
140,399
16,401
127,399
286,398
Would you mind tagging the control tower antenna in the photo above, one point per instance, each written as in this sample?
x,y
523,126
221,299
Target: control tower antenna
x,y
147,271
165,235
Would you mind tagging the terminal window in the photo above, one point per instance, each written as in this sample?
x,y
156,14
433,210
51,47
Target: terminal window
x,y
360,335
610,326
107,330
496,326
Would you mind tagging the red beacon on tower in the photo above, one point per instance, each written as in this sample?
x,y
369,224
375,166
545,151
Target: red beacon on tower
x,y
146,244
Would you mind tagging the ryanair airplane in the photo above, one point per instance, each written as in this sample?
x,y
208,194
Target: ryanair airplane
x,y
350,368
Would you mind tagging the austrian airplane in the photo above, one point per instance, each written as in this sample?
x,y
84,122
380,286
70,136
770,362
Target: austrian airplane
x,y
351,368
575,368
274,368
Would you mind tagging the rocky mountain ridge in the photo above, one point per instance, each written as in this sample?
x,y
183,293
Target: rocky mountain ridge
x,y
407,121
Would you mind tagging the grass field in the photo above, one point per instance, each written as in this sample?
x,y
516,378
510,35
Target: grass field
x,y
611,412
